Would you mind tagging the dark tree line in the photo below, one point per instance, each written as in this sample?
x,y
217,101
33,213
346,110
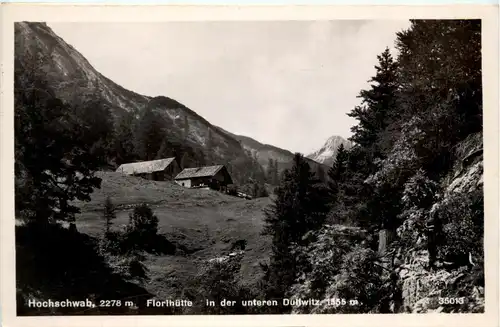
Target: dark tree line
x,y
56,151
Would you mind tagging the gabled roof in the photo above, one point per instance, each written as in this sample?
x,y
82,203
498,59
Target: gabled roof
x,y
199,172
145,167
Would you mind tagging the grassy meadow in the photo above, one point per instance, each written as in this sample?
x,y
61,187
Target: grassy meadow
x,y
202,224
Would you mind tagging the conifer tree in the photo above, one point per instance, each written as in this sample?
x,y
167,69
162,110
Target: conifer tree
x,y
165,149
338,169
320,172
301,205
209,147
109,214
185,127
183,161
124,139
270,175
272,171
276,178
149,135
373,137
378,105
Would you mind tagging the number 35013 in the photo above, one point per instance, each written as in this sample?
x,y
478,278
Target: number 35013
x,y
451,300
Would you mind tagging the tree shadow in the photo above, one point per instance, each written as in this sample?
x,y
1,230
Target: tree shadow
x,y
55,263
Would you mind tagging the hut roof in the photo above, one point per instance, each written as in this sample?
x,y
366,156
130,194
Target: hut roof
x,y
208,171
145,167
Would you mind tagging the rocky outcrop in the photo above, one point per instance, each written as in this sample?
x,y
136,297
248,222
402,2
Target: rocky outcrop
x,y
448,288
425,291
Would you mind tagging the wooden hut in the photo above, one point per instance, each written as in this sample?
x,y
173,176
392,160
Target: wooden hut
x,y
215,177
158,170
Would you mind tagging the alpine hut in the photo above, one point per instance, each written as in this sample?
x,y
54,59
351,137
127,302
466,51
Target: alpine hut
x,y
158,170
215,177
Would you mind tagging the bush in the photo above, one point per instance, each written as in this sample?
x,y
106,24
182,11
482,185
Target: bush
x,y
333,266
131,265
136,268
419,191
232,190
111,243
360,279
320,261
262,192
143,223
218,281
463,226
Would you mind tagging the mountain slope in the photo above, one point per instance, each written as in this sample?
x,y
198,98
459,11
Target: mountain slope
x,y
67,71
264,152
327,153
73,78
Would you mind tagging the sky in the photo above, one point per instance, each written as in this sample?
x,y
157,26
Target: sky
x,y
285,83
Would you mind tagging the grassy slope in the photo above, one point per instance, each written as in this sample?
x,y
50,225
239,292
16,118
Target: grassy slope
x,y
202,222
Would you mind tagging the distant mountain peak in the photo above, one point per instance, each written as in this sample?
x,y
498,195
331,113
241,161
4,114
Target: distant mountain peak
x,y
327,153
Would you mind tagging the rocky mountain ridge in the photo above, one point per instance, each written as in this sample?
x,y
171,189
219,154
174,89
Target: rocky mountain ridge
x,y
264,152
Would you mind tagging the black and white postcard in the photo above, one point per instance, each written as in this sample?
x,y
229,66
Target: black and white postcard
x,y
264,166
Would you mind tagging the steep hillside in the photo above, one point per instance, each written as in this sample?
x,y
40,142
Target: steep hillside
x,y
264,152
73,79
197,224
202,224
327,153
67,71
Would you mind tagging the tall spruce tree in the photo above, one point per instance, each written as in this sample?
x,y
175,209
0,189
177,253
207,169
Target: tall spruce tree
x,y
320,172
185,128
272,171
209,147
269,171
377,107
165,149
337,172
276,177
373,136
301,205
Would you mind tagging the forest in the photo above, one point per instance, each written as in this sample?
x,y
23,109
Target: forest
x,y
420,120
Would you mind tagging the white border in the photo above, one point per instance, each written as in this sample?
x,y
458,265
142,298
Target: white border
x,y
119,13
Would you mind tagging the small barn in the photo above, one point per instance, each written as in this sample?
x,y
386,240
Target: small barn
x,y
215,177
158,170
